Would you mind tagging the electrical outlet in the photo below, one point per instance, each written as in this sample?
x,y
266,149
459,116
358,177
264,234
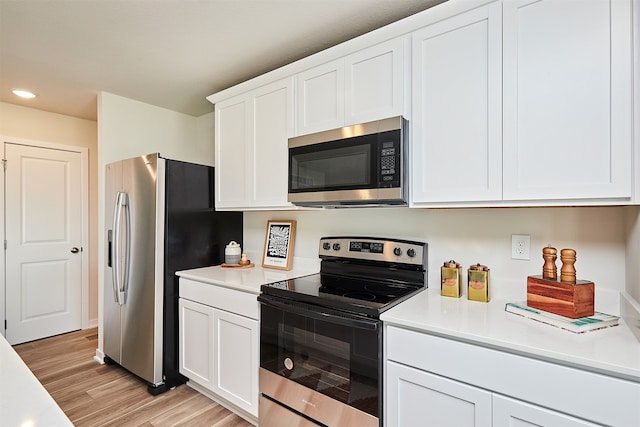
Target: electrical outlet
x,y
520,246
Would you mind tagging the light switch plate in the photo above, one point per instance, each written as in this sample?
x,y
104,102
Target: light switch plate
x,y
521,246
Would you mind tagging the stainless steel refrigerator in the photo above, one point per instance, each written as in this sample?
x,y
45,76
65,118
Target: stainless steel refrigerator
x,y
160,218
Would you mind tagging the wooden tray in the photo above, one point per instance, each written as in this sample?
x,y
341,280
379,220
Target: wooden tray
x,y
251,265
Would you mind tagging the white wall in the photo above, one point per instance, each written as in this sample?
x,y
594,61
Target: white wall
x,y
633,252
473,236
129,128
205,138
36,125
630,299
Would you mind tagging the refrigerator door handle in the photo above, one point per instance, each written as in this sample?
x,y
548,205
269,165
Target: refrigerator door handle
x,y
118,287
124,289
116,247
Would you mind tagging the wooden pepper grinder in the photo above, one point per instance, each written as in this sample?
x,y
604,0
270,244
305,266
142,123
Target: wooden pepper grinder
x,y
568,271
549,269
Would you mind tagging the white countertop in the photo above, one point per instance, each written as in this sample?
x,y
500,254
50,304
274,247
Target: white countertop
x,y
243,279
23,400
613,351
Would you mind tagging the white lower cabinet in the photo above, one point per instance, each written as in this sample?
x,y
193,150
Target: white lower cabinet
x,y
509,412
196,342
235,359
418,398
218,349
436,381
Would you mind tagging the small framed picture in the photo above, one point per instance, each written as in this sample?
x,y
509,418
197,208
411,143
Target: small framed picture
x,y
278,245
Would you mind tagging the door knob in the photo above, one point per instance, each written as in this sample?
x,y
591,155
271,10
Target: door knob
x,y
75,250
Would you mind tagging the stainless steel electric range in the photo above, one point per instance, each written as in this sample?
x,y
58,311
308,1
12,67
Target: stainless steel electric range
x,y
321,335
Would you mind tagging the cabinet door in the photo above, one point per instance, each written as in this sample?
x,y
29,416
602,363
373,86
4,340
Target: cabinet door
x,y
233,161
417,398
374,82
236,360
321,98
272,126
251,148
567,99
457,141
509,412
196,342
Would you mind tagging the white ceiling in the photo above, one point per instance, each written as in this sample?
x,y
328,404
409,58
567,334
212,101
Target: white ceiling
x,y
169,53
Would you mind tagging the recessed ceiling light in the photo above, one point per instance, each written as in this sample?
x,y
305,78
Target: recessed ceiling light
x,y
22,93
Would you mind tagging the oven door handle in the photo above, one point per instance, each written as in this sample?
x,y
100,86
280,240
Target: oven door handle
x,y
321,313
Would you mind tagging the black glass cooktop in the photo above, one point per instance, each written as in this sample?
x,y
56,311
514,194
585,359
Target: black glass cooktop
x,y
368,297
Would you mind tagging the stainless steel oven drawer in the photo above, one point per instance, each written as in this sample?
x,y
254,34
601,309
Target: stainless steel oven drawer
x,y
273,414
315,405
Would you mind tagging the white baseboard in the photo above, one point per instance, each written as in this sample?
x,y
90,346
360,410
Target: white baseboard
x,y
99,357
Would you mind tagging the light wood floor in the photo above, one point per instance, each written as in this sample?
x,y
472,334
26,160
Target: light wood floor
x,y
91,394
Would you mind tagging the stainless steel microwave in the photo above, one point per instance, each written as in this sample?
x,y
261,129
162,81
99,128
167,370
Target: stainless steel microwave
x,y
360,165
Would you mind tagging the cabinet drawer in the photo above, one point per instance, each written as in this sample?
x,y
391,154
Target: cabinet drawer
x,y
509,412
234,301
592,396
418,398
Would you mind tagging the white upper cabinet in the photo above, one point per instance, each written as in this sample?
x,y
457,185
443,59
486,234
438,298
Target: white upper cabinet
x,y
510,103
374,82
233,128
272,126
321,98
523,102
456,146
251,148
364,86
567,100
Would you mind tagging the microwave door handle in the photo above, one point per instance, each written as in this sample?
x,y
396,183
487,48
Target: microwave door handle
x,y
321,313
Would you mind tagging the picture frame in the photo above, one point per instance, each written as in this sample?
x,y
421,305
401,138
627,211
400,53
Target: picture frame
x,y
279,244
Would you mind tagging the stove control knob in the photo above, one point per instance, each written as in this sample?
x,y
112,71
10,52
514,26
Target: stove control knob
x,y
336,246
411,252
326,246
397,251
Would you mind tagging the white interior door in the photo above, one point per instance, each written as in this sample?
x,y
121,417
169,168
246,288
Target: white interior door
x,y
44,242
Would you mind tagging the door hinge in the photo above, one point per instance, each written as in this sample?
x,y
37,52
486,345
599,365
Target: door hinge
x,y
4,164
5,245
5,324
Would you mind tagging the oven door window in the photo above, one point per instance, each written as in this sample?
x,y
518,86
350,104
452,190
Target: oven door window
x,y
335,359
337,165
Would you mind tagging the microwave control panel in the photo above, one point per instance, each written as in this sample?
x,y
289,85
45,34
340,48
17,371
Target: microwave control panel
x,y
389,160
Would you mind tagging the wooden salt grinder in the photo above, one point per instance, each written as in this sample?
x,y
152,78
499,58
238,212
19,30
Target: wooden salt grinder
x,y
549,269
568,271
